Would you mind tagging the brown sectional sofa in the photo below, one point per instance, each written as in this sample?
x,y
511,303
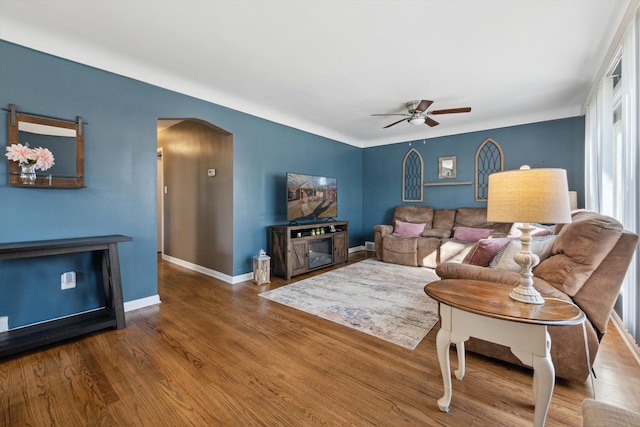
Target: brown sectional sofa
x,y
436,243
588,262
586,266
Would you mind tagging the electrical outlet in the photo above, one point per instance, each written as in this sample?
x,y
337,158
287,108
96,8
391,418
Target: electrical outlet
x,y
68,280
211,172
4,323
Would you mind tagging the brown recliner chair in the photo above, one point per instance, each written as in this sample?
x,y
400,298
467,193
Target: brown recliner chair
x,y
589,260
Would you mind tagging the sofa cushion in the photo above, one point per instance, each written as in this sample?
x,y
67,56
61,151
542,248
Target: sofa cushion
x,y
400,250
453,250
414,214
408,229
484,251
477,218
578,251
428,251
541,246
444,219
471,217
470,234
440,233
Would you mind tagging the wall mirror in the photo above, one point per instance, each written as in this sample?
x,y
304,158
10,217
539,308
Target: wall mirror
x,y
446,167
65,141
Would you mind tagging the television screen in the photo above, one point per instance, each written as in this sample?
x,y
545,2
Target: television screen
x,y
311,197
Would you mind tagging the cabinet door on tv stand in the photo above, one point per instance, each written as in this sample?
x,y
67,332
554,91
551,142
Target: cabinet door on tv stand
x,y
299,250
278,251
340,251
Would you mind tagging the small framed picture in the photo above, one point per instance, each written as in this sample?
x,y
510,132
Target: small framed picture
x,y
447,167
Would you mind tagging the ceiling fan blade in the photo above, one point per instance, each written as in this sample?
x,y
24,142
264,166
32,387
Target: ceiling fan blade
x,y
424,104
452,110
394,123
429,121
392,114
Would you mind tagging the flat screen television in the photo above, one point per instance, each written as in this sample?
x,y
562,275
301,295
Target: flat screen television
x,y
311,197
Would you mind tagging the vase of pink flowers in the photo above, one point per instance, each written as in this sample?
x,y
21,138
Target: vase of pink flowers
x,y
30,160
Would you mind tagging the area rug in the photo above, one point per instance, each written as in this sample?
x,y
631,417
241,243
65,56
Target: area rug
x,y
377,298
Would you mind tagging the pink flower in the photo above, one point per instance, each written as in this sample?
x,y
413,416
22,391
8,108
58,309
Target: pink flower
x,y
20,153
44,158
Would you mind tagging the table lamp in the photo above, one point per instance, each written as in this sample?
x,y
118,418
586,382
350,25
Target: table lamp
x,y
524,196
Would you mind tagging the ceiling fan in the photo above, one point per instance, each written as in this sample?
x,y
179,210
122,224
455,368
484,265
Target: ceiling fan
x,y
418,114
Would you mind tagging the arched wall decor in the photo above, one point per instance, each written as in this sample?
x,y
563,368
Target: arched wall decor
x,y
489,159
412,176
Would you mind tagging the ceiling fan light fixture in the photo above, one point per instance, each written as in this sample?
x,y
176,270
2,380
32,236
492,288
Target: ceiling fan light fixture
x,y
417,121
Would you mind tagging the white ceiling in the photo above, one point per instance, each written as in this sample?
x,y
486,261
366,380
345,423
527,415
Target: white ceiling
x,y
326,66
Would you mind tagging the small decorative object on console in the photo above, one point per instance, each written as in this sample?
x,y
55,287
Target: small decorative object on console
x,y
30,160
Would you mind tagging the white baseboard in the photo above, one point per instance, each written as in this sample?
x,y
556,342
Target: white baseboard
x,y
141,302
356,249
626,336
209,272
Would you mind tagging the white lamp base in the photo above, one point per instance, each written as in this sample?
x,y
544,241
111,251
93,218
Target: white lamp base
x,y
526,294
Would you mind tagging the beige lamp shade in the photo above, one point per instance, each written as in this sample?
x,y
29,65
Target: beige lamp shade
x,y
529,195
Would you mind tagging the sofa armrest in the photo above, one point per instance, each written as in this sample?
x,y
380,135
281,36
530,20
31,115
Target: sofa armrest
x,y
600,414
455,270
383,229
379,231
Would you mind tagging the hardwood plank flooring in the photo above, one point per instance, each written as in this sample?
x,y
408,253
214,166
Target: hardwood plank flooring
x,y
218,354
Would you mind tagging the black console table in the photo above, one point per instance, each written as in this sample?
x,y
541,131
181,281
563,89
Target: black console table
x,y
110,316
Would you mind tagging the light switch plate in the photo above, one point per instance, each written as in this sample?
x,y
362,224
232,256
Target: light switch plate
x,y
211,172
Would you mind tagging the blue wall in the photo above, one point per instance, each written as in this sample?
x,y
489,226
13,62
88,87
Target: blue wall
x,y
551,144
120,168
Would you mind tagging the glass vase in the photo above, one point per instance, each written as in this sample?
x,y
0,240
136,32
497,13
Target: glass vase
x,y
28,173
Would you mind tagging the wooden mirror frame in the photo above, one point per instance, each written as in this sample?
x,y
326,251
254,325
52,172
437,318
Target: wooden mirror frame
x,y
49,181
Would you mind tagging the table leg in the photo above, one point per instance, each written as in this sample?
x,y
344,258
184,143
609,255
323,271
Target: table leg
x,y
461,366
443,341
543,381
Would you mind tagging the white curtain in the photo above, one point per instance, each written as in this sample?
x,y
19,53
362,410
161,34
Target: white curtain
x,y
629,198
611,166
598,123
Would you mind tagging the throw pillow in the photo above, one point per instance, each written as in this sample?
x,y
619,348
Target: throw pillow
x,y
538,229
408,229
484,251
540,246
470,234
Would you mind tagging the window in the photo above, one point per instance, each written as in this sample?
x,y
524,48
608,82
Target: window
x,y
612,157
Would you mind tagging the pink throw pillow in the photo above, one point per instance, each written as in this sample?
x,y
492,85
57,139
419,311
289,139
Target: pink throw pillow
x,y
470,234
484,250
408,229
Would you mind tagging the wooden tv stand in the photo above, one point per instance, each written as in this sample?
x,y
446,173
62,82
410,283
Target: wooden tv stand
x,y
295,250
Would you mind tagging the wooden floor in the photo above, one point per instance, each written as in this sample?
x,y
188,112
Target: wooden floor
x,y
218,354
